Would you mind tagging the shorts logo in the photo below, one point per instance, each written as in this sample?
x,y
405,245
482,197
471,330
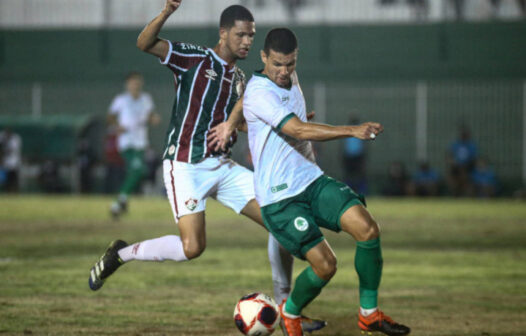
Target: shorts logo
x,y
301,224
171,150
191,203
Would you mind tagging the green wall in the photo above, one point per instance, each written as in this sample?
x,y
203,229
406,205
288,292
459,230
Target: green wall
x,y
475,74
357,52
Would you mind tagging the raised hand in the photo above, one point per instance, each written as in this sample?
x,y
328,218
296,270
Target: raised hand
x,y
172,5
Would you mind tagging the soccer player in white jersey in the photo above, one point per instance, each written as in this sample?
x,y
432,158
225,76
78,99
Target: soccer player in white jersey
x,y
295,196
208,85
130,113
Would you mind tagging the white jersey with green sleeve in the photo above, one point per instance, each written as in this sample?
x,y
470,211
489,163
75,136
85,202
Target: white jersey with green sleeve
x,y
283,166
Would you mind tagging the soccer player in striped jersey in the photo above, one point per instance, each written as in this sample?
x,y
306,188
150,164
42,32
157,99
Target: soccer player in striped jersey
x,y
208,84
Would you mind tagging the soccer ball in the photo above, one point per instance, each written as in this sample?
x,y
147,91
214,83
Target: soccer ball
x,y
256,314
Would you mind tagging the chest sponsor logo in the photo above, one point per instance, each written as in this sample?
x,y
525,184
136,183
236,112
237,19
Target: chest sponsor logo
x,y
278,188
301,224
190,47
171,150
211,74
191,204
285,99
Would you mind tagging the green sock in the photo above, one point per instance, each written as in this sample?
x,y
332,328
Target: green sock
x,y
308,285
368,263
134,170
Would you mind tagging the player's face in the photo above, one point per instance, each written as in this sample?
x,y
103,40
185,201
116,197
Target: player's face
x,y
134,86
279,67
239,38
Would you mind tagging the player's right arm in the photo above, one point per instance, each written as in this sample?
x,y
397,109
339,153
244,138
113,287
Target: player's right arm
x,y
266,105
300,130
148,40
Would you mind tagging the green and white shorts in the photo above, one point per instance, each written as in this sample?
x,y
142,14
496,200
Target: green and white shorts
x,y
296,221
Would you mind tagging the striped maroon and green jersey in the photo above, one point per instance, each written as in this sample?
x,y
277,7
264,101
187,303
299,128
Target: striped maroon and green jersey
x,y
207,89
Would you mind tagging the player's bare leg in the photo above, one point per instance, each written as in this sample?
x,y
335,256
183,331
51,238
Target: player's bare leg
x,y
189,245
253,211
193,234
281,263
358,222
308,286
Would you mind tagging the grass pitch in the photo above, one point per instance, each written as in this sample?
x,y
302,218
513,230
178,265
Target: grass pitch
x,y
451,267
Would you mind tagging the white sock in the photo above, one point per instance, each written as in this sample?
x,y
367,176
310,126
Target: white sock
x,y
281,262
158,249
367,312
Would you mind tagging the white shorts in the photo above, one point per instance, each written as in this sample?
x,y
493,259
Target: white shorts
x,y
189,185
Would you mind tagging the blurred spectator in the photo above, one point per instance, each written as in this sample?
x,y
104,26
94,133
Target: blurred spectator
x,y
292,6
354,159
257,3
152,161
458,7
495,6
483,179
114,163
85,162
49,177
420,9
462,156
398,182
426,181
522,6
10,159
130,113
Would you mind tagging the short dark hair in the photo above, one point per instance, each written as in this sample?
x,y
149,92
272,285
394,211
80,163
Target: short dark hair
x,y
233,13
133,75
282,40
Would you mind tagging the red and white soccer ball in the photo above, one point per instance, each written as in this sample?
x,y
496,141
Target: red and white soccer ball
x,y
256,315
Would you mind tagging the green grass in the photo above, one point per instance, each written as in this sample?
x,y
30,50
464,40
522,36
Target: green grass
x,y
452,267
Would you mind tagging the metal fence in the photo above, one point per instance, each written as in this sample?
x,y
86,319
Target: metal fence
x,y
421,119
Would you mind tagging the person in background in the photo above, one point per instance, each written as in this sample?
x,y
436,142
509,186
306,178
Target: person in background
x,y
114,163
483,179
130,113
10,159
461,157
459,9
426,181
354,155
398,181
85,161
153,162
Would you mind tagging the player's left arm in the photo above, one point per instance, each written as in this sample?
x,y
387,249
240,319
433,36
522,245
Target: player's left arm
x,y
300,130
219,136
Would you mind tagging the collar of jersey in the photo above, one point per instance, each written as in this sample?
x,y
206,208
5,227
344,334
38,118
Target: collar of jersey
x,y
260,73
222,61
